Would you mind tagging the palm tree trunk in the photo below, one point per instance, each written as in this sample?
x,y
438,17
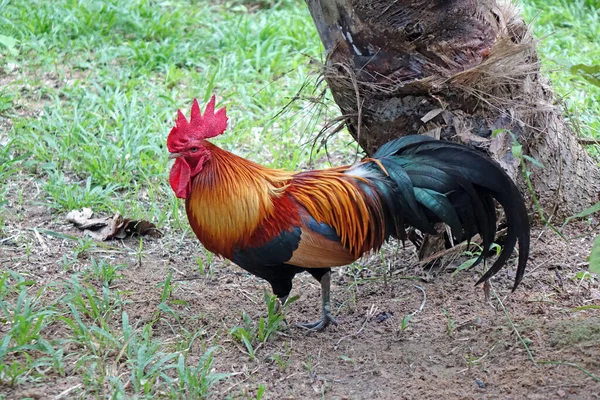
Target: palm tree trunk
x,y
462,70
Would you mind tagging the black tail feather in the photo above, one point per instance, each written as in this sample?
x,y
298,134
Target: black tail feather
x,y
456,185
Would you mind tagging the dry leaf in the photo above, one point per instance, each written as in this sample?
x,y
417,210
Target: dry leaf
x,y
80,217
107,228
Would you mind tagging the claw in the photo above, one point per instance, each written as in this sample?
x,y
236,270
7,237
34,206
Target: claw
x,y
319,325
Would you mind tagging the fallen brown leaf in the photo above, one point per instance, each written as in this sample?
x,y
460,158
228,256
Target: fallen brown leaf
x,y
107,228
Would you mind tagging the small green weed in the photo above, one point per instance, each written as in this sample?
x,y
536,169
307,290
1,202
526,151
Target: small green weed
x,y
28,346
282,360
450,323
166,303
474,255
252,335
26,318
99,306
196,382
103,271
204,263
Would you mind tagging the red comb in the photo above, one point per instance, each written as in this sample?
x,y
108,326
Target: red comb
x,y
199,127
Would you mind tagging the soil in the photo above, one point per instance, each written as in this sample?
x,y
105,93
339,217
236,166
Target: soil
x,y
458,344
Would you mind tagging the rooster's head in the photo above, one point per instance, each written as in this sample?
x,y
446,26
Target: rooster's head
x,y
187,144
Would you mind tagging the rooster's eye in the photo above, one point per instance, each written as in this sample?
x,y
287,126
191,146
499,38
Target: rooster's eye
x,y
194,149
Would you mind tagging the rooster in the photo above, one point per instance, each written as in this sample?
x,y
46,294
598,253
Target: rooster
x,y
275,223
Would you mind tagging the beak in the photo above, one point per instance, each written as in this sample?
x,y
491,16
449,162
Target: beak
x,y
174,155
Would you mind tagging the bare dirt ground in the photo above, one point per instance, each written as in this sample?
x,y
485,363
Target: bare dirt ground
x,y
468,351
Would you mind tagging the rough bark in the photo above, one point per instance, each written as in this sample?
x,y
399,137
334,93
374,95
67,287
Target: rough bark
x,y
462,70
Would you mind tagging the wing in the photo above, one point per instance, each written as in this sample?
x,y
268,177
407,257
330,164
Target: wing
x,y
323,220
319,247
267,261
311,245
275,252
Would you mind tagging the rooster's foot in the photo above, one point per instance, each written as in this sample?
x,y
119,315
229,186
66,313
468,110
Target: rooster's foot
x,y
326,317
320,324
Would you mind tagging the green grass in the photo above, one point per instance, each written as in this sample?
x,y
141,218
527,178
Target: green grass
x,y
91,89
105,78
569,32
111,350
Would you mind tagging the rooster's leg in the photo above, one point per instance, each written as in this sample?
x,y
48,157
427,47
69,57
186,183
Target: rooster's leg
x,y
280,303
326,317
279,309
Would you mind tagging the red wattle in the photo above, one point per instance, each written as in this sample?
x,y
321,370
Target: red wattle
x,y
180,178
